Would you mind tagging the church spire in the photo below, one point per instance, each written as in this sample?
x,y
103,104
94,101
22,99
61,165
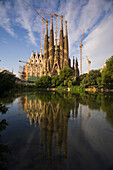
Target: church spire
x,y
61,44
66,62
46,42
51,44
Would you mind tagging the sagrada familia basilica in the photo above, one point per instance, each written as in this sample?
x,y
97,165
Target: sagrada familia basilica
x,y
55,56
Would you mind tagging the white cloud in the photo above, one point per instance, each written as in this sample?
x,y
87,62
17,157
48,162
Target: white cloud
x,y
96,18
24,18
5,20
99,44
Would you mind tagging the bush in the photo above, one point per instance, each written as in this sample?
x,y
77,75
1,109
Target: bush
x,y
69,83
107,73
76,89
91,78
99,80
55,81
65,74
43,82
7,82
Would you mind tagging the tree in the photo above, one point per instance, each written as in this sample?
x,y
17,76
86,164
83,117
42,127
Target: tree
x,y
65,74
80,78
109,67
91,78
7,82
43,82
69,83
55,81
107,73
99,80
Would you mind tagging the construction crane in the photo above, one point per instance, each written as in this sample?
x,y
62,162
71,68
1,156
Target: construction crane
x,y
42,25
56,15
81,52
89,62
29,63
26,68
21,72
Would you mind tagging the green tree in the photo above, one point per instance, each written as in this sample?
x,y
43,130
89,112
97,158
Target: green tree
x,y
80,78
69,83
107,73
7,82
43,82
65,74
55,81
109,67
91,78
99,80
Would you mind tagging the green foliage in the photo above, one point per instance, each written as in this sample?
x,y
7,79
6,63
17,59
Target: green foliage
x,y
91,78
109,67
74,82
69,83
55,81
7,82
99,80
65,74
81,77
43,82
76,89
62,88
107,73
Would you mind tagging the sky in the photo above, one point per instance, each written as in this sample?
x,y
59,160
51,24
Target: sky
x,y
20,30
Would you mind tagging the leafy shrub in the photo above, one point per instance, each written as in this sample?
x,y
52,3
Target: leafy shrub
x,y
43,82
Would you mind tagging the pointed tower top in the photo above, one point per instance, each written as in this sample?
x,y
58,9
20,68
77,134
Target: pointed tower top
x,y
46,32
76,63
36,53
51,28
61,26
65,28
32,53
73,62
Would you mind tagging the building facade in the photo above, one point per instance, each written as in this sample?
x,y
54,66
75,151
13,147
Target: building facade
x,y
55,56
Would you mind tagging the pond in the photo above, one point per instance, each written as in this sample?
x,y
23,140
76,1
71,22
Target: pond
x,y
51,130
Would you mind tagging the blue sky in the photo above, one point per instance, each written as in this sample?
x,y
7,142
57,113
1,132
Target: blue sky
x,y
20,29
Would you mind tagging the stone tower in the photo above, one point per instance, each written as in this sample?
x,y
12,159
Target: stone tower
x,y
55,55
51,46
46,53
76,69
66,53
61,44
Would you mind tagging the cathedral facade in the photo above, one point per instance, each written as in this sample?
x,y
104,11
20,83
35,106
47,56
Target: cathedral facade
x,y
55,56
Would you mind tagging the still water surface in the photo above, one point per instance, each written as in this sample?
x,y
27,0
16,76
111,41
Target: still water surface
x,y
48,130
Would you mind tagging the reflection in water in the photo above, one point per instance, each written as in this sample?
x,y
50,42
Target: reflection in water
x,y
88,113
53,123
3,148
3,108
52,112
58,130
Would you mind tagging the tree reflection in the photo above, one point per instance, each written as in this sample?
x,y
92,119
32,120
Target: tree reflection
x,y
51,111
3,148
52,116
3,108
102,102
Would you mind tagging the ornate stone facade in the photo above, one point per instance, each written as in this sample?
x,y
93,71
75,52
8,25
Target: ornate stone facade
x,y
55,56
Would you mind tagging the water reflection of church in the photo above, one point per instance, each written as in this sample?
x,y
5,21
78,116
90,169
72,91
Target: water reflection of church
x,y
52,118
53,123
